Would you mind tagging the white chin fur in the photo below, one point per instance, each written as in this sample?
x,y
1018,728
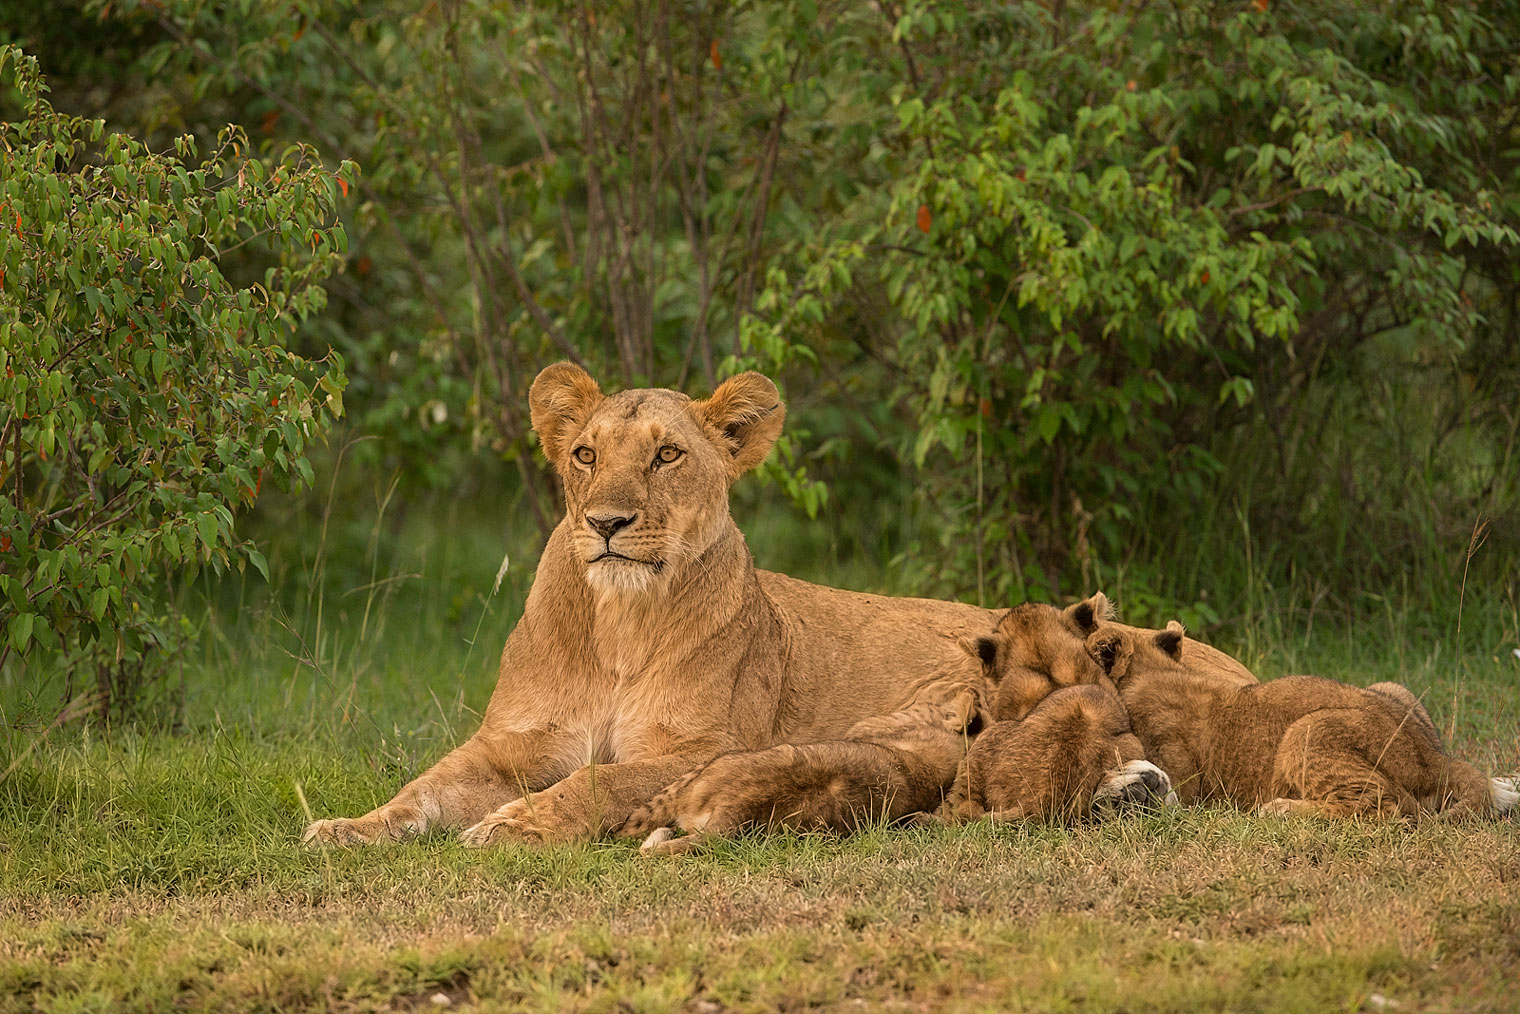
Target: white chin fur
x,y
1505,792
621,577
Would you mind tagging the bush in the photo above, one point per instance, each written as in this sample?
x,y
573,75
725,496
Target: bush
x,y
1055,291
145,397
1161,278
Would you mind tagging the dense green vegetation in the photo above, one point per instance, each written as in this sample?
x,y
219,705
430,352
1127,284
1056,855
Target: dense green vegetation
x,y
1199,299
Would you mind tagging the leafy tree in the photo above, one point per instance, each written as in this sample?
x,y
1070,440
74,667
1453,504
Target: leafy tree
x,y
145,396
1058,288
1135,254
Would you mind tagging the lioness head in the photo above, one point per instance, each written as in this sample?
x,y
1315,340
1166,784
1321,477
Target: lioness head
x,y
1123,653
646,472
1037,649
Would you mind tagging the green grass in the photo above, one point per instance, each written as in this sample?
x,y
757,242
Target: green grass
x,y
154,870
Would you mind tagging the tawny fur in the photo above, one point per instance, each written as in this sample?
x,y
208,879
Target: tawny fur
x,y
882,769
1299,744
1049,764
1056,735
1061,737
629,670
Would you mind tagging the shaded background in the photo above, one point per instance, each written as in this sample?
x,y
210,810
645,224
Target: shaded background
x,y
1211,306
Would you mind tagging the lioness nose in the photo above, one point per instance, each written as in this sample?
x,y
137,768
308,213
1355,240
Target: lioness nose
x,y
607,525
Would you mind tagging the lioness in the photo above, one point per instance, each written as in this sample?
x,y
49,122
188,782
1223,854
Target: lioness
x,y
650,643
1299,744
881,769
1059,741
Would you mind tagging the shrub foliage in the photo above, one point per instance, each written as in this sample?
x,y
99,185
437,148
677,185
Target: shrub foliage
x,y
1056,290
145,396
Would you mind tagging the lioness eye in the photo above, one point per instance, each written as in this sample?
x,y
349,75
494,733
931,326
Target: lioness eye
x,y
668,454
585,455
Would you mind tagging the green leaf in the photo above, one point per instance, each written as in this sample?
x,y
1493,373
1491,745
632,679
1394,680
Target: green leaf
x,y
21,630
207,525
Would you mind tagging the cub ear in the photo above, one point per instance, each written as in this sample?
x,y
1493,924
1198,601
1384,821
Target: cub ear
x,y
964,710
1111,650
983,649
1087,614
560,401
1170,640
747,413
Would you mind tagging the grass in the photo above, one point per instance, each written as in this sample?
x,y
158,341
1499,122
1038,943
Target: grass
x,y
157,870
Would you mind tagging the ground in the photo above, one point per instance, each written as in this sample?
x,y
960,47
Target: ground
x,y
156,871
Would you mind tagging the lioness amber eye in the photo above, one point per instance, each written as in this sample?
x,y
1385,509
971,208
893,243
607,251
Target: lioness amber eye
x,y
585,455
668,454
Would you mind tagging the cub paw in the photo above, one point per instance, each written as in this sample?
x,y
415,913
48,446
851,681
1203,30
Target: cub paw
x,y
1505,792
662,841
1138,784
517,821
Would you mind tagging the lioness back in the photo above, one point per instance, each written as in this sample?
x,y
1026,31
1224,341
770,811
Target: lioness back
x,y
846,651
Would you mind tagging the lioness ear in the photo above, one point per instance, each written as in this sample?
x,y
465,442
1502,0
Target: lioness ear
x,y
1111,651
1170,640
1087,614
559,402
747,413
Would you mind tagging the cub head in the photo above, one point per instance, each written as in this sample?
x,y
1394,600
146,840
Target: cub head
x,y
1127,653
646,472
1035,650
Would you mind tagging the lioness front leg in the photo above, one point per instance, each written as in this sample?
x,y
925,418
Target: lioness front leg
x,y
479,776
584,805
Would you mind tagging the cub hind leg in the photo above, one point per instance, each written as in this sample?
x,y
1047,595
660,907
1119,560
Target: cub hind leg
x,y
1322,767
661,810
1411,711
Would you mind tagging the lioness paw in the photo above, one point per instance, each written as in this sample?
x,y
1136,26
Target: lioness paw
x,y
343,831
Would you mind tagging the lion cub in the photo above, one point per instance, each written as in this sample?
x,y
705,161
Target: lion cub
x,y
1299,744
1060,740
882,769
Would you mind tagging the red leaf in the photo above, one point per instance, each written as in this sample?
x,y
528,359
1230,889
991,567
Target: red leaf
x,y
925,220
5,543
1260,5
343,185
717,57
1021,177
1203,279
